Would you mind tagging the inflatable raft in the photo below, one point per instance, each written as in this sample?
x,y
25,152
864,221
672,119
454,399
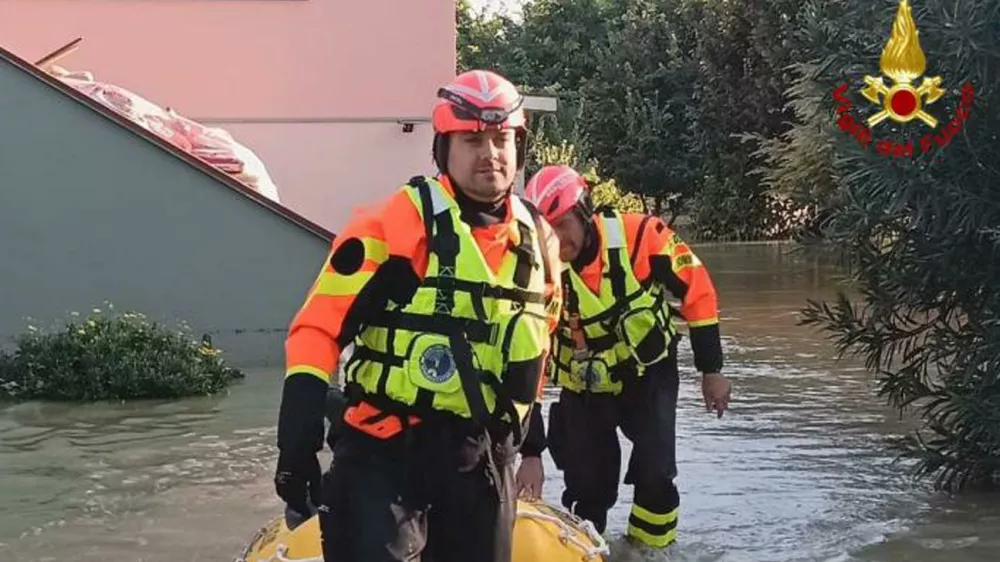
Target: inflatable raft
x,y
541,532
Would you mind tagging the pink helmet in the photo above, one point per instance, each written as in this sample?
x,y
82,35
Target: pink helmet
x,y
478,99
555,190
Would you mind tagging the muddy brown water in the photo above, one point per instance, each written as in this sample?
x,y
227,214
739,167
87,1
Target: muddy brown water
x,y
799,470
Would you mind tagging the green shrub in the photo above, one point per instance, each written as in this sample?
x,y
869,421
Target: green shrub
x,y
605,192
919,234
108,356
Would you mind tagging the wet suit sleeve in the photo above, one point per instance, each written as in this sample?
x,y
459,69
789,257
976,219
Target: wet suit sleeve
x,y
366,267
659,253
535,441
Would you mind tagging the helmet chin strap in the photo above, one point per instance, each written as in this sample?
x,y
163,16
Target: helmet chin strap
x,y
589,232
589,228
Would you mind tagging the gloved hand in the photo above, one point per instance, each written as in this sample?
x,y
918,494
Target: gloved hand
x,y
297,482
300,437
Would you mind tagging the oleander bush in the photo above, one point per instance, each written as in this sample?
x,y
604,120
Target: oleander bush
x,y
111,356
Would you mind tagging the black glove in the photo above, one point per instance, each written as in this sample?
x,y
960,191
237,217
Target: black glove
x,y
300,437
297,482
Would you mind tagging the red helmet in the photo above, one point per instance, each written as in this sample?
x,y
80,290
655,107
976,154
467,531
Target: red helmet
x,y
553,190
475,100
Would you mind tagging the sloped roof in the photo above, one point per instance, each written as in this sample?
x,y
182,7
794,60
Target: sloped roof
x,y
221,177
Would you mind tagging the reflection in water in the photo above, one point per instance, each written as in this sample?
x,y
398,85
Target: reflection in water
x,y
800,470
84,479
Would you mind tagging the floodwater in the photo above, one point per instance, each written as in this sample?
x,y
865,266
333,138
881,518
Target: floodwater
x,y
799,470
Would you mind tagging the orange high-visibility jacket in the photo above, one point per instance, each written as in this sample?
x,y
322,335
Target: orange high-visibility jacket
x,y
658,253
381,256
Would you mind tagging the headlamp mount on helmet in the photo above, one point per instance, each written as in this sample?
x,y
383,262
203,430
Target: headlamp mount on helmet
x,y
466,110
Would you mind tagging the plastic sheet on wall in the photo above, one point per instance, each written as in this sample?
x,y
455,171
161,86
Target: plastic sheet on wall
x,y
211,144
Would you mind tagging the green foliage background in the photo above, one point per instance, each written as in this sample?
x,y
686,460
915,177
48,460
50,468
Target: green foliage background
x,y
722,112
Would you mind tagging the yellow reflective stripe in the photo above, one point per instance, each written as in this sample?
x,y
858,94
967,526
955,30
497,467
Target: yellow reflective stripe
x,y
670,246
308,370
702,323
666,522
333,284
649,539
375,250
684,261
654,518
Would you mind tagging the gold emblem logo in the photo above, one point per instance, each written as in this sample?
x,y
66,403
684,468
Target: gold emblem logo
x,y
903,62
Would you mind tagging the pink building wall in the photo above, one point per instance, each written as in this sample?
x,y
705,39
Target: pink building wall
x,y
314,87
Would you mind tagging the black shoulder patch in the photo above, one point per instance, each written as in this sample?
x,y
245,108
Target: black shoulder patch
x,y
349,257
660,226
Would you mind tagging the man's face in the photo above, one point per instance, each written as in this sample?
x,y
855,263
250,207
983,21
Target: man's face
x,y
572,232
483,164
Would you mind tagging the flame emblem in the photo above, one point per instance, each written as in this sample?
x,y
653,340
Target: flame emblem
x,y
903,62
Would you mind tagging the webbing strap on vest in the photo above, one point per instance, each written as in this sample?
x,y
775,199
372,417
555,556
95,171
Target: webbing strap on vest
x,y
572,299
638,238
442,240
595,344
615,248
536,217
615,242
572,306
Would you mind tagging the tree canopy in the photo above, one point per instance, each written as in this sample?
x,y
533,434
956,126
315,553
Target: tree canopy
x,y
748,117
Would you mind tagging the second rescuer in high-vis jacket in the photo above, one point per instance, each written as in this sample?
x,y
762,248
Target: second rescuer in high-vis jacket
x,y
449,293
616,354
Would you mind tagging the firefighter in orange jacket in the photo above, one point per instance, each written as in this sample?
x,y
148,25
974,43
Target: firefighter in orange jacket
x,y
615,354
449,294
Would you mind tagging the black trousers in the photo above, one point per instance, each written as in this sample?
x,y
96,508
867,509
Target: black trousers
x,y
431,495
583,441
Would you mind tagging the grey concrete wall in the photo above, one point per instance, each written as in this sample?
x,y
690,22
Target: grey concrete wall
x,y
89,212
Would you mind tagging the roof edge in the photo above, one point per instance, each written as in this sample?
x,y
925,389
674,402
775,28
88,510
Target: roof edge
x,y
222,177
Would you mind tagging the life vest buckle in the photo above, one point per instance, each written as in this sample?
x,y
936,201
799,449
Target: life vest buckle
x,y
446,281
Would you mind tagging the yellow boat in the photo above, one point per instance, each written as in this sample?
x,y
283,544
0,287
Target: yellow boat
x,y
541,532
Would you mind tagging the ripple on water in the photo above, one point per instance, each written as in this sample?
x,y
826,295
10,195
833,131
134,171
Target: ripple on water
x,y
799,471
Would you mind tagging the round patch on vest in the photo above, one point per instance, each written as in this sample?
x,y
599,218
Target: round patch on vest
x,y
437,364
349,257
